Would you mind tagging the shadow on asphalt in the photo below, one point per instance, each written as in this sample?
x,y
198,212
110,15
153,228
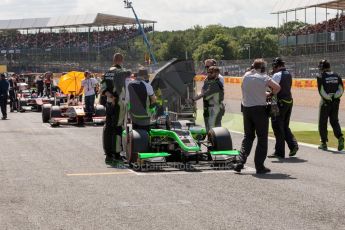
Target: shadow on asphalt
x,y
335,152
289,160
274,176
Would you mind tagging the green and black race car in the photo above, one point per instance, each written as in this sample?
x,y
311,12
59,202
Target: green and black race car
x,y
179,147
174,139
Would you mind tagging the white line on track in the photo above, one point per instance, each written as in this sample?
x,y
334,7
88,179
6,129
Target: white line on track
x,y
299,143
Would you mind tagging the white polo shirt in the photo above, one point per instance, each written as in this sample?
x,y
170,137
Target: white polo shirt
x,y
89,86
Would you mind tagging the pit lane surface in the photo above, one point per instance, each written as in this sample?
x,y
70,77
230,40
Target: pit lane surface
x,y
57,179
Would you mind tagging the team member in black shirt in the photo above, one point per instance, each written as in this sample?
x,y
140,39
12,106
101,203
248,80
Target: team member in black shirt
x,y
280,123
331,88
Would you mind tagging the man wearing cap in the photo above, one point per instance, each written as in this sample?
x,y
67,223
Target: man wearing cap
x,y
140,98
4,86
280,123
88,86
114,88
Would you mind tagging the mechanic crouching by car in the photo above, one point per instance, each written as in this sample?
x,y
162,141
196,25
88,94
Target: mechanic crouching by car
x,y
4,86
114,87
141,99
331,88
255,115
88,86
212,93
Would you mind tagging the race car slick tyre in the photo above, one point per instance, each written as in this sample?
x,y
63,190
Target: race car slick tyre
x,y
137,142
21,104
46,113
55,111
220,139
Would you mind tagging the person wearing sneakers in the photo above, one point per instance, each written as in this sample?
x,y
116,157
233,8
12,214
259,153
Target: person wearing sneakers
x,y
331,88
280,123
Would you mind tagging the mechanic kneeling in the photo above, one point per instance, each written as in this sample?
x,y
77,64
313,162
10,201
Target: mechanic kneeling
x,y
140,98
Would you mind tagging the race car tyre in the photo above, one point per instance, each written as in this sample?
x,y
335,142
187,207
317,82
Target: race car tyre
x,y
138,142
46,113
55,112
21,104
100,111
220,139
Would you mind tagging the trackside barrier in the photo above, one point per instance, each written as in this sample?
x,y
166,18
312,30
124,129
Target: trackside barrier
x,y
296,83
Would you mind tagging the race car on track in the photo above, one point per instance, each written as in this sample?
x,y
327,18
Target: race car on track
x,y
174,138
65,114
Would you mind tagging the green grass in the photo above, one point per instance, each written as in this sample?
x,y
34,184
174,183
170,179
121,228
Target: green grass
x,y
312,137
304,132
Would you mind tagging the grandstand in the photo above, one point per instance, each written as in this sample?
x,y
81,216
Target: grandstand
x,y
327,36
66,42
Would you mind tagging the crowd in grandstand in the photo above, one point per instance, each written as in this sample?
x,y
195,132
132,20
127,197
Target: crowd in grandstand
x,y
68,39
332,25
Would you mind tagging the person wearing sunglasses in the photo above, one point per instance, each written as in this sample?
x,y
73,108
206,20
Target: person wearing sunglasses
x,y
212,93
211,62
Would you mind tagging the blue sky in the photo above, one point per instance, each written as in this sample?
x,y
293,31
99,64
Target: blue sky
x,y
170,14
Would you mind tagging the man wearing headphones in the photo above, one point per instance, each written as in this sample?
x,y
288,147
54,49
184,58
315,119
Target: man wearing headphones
x,y
331,88
280,123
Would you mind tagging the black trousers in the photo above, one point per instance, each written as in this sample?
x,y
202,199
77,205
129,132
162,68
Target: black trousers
x,y
281,129
3,105
112,134
40,92
255,120
329,110
13,104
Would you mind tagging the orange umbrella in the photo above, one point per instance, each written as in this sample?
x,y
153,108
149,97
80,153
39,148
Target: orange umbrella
x,y
70,83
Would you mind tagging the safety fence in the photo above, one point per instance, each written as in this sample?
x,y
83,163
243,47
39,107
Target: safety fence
x,y
296,83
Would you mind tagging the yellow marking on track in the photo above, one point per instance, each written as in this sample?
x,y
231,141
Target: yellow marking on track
x,y
100,174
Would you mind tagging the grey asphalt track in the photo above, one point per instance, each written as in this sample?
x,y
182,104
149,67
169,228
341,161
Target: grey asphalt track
x,y
55,178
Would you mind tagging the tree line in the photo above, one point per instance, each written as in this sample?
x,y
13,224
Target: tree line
x,y
216,41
